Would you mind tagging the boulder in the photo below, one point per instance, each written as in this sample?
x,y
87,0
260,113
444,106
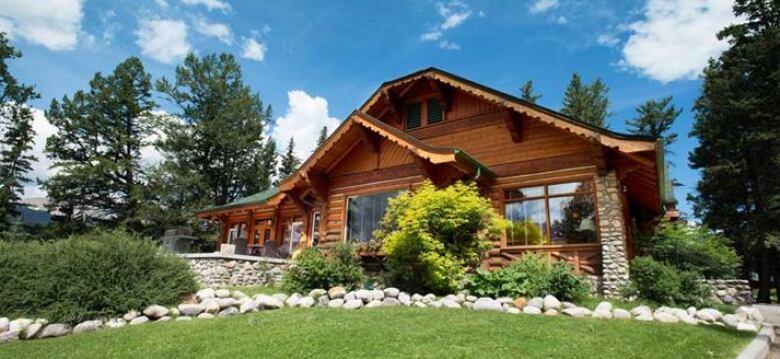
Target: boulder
x,y
363,295
237,294
139,320
641,310
204,294
550,302
450,304
487,304
602,313
536,302
577,312
644,317
604,306
205,316
434,304
714,313
567,305
513,311
471,298
528,309
730,320
267,302
54,330
665,317
349,296
747,327
392,292
706,316
337,292
8,336
222,293
191,309
692,311
353,304
374,304
377,294
4,322
505,300
174,312
687,319
280,297
155,311
551,312
228,312
116,323
336,303
390,302
293,300
751,313
306,302
32,330
88,326
520,302
183,319
317,293
247,306
420,305
322,301
166,318
416,297
211,306
619,313
18,325
131,315
403,298
227,302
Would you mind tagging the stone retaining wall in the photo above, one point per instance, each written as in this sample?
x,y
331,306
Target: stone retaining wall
x,y
730,291
219,270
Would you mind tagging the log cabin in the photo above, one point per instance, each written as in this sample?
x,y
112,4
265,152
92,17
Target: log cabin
x,y
573,191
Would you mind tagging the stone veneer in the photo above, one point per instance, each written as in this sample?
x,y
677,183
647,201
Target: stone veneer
x,y
730,291
220,270
612,235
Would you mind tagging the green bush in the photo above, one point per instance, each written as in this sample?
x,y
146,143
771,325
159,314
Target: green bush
x,y
659,282
692,249
530,276
432,236
312,269
99,274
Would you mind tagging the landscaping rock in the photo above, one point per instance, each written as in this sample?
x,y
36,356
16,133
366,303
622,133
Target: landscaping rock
x,y
714,313
529,309
550,302
18,325
687,319
416,297
421,305
374,304
32,330
390,302
306,302
322,301
706,316
665,317
204,294
267,302
471,298
618,313
116,323
753,314
513,311
205,316
211,306
248,306
692,311
747,327
4,323
403,298
237,294
88,326
317,293
434,304
392,292
730,320
166,318
227,302
139,320
353,304
551,312
131,315
336,303
520,302
487,304
54,330
229,312
644,317
337,292
536,302
293,300
377,294
567,305
350,296
280,297
601,313
642,310
450,304
155,311
191,309
8,336
577,312
505,300
222,293
183,319
604,306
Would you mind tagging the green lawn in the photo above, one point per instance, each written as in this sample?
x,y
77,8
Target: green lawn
x,y
391,332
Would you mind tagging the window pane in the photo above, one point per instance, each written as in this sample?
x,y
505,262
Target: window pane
x,y
571,187
573,219
364,214
529,223
525,192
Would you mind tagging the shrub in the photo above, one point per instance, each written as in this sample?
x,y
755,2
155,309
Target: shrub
x,y
432,236
662,283
312,269
99,274
530,276
692,249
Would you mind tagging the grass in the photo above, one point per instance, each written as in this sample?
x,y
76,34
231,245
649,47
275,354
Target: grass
x,y
391,332
254,290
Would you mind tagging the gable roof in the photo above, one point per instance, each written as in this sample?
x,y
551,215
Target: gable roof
x,y
622,142
253,199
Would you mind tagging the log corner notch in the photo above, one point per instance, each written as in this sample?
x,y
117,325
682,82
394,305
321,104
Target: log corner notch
x,y
513,123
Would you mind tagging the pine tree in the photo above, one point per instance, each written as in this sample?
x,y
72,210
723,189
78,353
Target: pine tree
x,y
97,147
269,162
587,103
16,136
323,136
738,128
527,92
655,119
289,163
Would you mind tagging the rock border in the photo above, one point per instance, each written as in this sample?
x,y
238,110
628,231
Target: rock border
x,y
759,347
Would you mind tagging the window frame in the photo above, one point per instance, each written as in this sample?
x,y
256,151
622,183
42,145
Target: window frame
x,y
546,197
345,215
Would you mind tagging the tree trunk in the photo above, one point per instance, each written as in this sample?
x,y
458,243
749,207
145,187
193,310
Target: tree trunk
x,y
763,276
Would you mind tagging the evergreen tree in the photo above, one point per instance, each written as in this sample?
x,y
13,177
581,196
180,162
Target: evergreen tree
x,y
97,147
738,128
587,103
527,92
323,136
16,136
655,119
269,162
289,163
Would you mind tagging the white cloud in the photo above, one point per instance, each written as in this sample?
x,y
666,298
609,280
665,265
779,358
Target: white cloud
x,y
561,20
209,4
163,40
432,35
303,121
453,14
540,6
162,3
55,24
40,168
110,27
608,40
448,45
676,38
216,30
254,50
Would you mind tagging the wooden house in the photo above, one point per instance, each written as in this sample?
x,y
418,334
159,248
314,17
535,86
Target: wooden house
x,y
573,191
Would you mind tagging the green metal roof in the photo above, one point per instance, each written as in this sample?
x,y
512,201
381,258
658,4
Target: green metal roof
x,y
256,198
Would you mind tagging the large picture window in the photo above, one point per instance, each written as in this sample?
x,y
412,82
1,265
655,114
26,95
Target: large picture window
x,y
364,214
563,213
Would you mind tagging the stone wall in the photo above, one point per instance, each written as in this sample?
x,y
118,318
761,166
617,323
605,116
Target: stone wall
x,y
613,241
730,291
219,270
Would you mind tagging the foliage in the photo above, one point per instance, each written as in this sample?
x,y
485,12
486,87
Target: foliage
x,y
696,249
16,135
99,274
97,147
655,119
664,284
527,92
289,162
587,103
432,236
323,136
530,276
738,130
313,269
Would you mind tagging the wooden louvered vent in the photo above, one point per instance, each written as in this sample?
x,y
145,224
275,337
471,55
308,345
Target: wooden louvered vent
x,y
413,115
435,113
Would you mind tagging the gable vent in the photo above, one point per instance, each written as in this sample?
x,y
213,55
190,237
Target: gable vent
x,y
413,115
435,114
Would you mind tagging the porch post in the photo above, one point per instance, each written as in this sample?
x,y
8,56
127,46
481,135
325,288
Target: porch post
x,y
613,235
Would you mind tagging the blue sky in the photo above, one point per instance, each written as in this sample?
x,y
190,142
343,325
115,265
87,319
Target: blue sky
x,y
315,61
